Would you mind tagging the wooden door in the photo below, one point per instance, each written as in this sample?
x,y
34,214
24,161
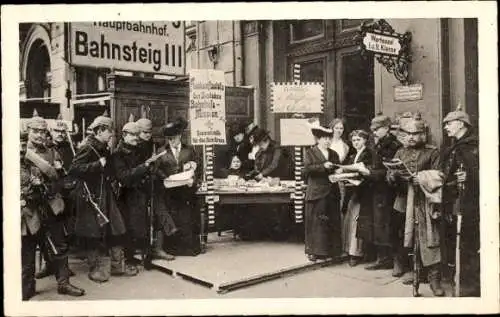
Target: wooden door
x,y
355,88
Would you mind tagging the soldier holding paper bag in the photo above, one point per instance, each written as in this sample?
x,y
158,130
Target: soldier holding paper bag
x,y
417,199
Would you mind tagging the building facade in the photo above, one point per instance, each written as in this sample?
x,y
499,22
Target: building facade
x,y
257,53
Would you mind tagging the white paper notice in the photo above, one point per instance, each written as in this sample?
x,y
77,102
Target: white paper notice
x,y
207,106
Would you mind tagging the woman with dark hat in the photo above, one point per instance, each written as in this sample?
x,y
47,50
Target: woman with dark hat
x,y
322,213
180,201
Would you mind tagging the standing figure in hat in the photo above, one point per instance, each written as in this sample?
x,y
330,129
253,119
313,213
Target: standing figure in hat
x,y
269,162
132,173
414,202
60,143
250,146
362,199
180,201
322,213
460,165
163,223
42,210
92,166
386,146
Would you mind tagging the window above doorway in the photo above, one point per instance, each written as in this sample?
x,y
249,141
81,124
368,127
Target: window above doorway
x,y
306,30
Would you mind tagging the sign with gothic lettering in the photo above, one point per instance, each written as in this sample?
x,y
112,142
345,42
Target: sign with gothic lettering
x,y
150,47
382,43
207,106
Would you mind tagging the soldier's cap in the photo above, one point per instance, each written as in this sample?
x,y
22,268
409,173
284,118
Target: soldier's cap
x,y
459,115
131,127
380,121
101,121
412,125
174,128
37,122
145,125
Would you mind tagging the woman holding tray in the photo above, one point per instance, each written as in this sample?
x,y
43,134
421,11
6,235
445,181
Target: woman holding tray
x,y
322,213
361,197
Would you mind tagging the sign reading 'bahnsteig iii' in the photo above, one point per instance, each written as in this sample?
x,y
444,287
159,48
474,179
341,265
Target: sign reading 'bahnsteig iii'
x,y
207,106
151,47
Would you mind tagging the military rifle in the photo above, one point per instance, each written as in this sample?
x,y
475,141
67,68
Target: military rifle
x,y
461,188
150,211
102,220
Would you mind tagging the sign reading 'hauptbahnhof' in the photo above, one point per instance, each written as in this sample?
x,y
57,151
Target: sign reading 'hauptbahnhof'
x,y
152,47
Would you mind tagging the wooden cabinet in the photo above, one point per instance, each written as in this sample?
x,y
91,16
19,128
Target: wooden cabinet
x,y
164,101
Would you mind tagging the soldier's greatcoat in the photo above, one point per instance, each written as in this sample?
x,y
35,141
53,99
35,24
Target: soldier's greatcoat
x,y
86,167
385,148
463,152
132,174
420,158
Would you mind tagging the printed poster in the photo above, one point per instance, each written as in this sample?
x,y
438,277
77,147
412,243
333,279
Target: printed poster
x,y
207,106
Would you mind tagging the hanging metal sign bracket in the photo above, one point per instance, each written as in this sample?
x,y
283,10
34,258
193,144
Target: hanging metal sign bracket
x,y
392,50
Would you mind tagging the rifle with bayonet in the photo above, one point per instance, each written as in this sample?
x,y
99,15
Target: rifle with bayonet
x,y
102,219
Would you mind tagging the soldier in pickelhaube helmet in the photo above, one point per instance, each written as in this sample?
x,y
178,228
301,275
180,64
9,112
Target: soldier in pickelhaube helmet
x,y
460,165
42,210
418,157
60,143
92,166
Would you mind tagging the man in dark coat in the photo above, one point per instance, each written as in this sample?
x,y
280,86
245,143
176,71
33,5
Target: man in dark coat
x,y
163,223
61,144
96,201
386,146
181,201
42,221
460,165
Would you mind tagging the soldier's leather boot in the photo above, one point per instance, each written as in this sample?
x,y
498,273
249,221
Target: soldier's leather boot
x,y
117,261
69,289
158,252
435,280
61,271
99,271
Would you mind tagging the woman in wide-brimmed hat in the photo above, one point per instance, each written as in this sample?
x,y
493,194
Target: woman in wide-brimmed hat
x,y
322,212
180,201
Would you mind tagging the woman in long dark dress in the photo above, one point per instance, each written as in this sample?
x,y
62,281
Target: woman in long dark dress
x,y
362,200
322,212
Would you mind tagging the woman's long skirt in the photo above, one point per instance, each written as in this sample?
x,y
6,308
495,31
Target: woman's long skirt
x,y
322,227
352,245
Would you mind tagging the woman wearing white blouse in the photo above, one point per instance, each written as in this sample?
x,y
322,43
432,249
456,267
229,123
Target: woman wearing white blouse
x,y
338,144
